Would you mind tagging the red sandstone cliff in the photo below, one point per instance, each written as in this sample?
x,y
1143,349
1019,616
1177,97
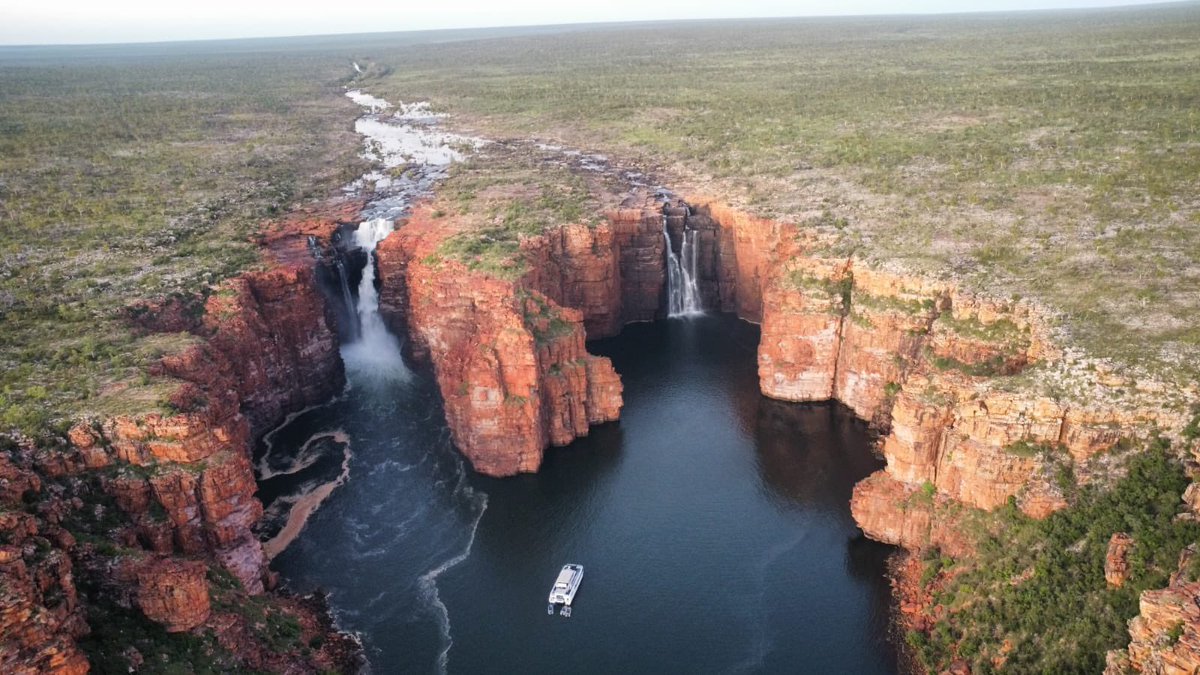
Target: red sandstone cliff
x,y
578,266
40,613
264,349
640,251
932,365
510,362
177,468
919,358
1165,636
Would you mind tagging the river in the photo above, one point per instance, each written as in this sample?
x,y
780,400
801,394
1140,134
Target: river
x,y
713,523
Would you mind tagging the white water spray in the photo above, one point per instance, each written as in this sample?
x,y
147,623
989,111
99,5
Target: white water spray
x,y
376,354
683,290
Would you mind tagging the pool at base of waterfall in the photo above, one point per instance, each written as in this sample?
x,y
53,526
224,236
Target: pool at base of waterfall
x,y
714,524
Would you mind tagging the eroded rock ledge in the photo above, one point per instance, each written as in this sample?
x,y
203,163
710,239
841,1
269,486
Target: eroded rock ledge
x,y
509,360
976,403
974,397
167,489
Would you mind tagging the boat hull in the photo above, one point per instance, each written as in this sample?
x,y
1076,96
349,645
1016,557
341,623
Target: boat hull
x,y
567,585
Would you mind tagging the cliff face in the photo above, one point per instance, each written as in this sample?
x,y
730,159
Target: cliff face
x,y
40,613
907,515
510,362
1165,636
936,368
640,251
174,593
747,256
578,266
264,349
926,362
271,328
174,480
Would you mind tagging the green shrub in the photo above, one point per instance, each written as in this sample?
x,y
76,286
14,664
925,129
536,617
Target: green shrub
x,y
1040,584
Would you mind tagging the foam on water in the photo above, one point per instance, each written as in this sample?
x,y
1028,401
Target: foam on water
x,y
376,355
428,581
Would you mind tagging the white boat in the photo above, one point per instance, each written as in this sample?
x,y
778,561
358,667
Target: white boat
x,y
565,587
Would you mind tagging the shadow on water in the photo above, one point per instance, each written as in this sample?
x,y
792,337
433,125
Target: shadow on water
x,y
713,523
811,454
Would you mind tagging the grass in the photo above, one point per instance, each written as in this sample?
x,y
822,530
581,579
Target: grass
x,y
1001,330
1028,448
838,292
1049,155
897,305
544,321
1044,155
1034,595
506,195
128,175
116,629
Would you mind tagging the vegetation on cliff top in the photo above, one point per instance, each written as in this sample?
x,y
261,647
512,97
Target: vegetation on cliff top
x,y
508,194
138,172
1034,596
1050,155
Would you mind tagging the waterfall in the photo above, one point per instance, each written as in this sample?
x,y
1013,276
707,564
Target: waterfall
x,y
691,285
376,353
683,290
352,325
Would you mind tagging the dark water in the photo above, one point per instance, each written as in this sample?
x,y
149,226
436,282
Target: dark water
x,y
713,523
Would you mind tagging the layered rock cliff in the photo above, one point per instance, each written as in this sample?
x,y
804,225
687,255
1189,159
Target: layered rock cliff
x,y
509,361
163,489
944,372
1165,635
976,402
40,613
263,349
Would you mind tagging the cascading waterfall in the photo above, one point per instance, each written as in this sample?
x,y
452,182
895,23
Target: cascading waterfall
x,y
352,328
683,291
691,286
376,354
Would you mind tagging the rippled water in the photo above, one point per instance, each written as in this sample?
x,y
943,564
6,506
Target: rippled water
x,y
713,524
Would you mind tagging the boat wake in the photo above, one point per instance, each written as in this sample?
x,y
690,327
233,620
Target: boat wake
x,y
760,628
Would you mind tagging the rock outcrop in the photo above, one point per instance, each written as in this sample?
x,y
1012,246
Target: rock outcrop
x,y
510,362
921,359
263,348
1116,559
640,251
577,266
933,366
906,515
1165,636
40,613
174,593
172,476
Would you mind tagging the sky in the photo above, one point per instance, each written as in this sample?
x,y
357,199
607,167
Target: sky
x,y
100,21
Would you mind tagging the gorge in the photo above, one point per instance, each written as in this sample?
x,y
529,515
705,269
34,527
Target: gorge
x,y
742,461
960,385
418,519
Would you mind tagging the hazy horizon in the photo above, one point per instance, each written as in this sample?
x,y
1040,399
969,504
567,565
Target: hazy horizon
x,y
77,22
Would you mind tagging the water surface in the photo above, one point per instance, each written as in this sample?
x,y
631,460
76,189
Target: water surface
x,y
713,524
